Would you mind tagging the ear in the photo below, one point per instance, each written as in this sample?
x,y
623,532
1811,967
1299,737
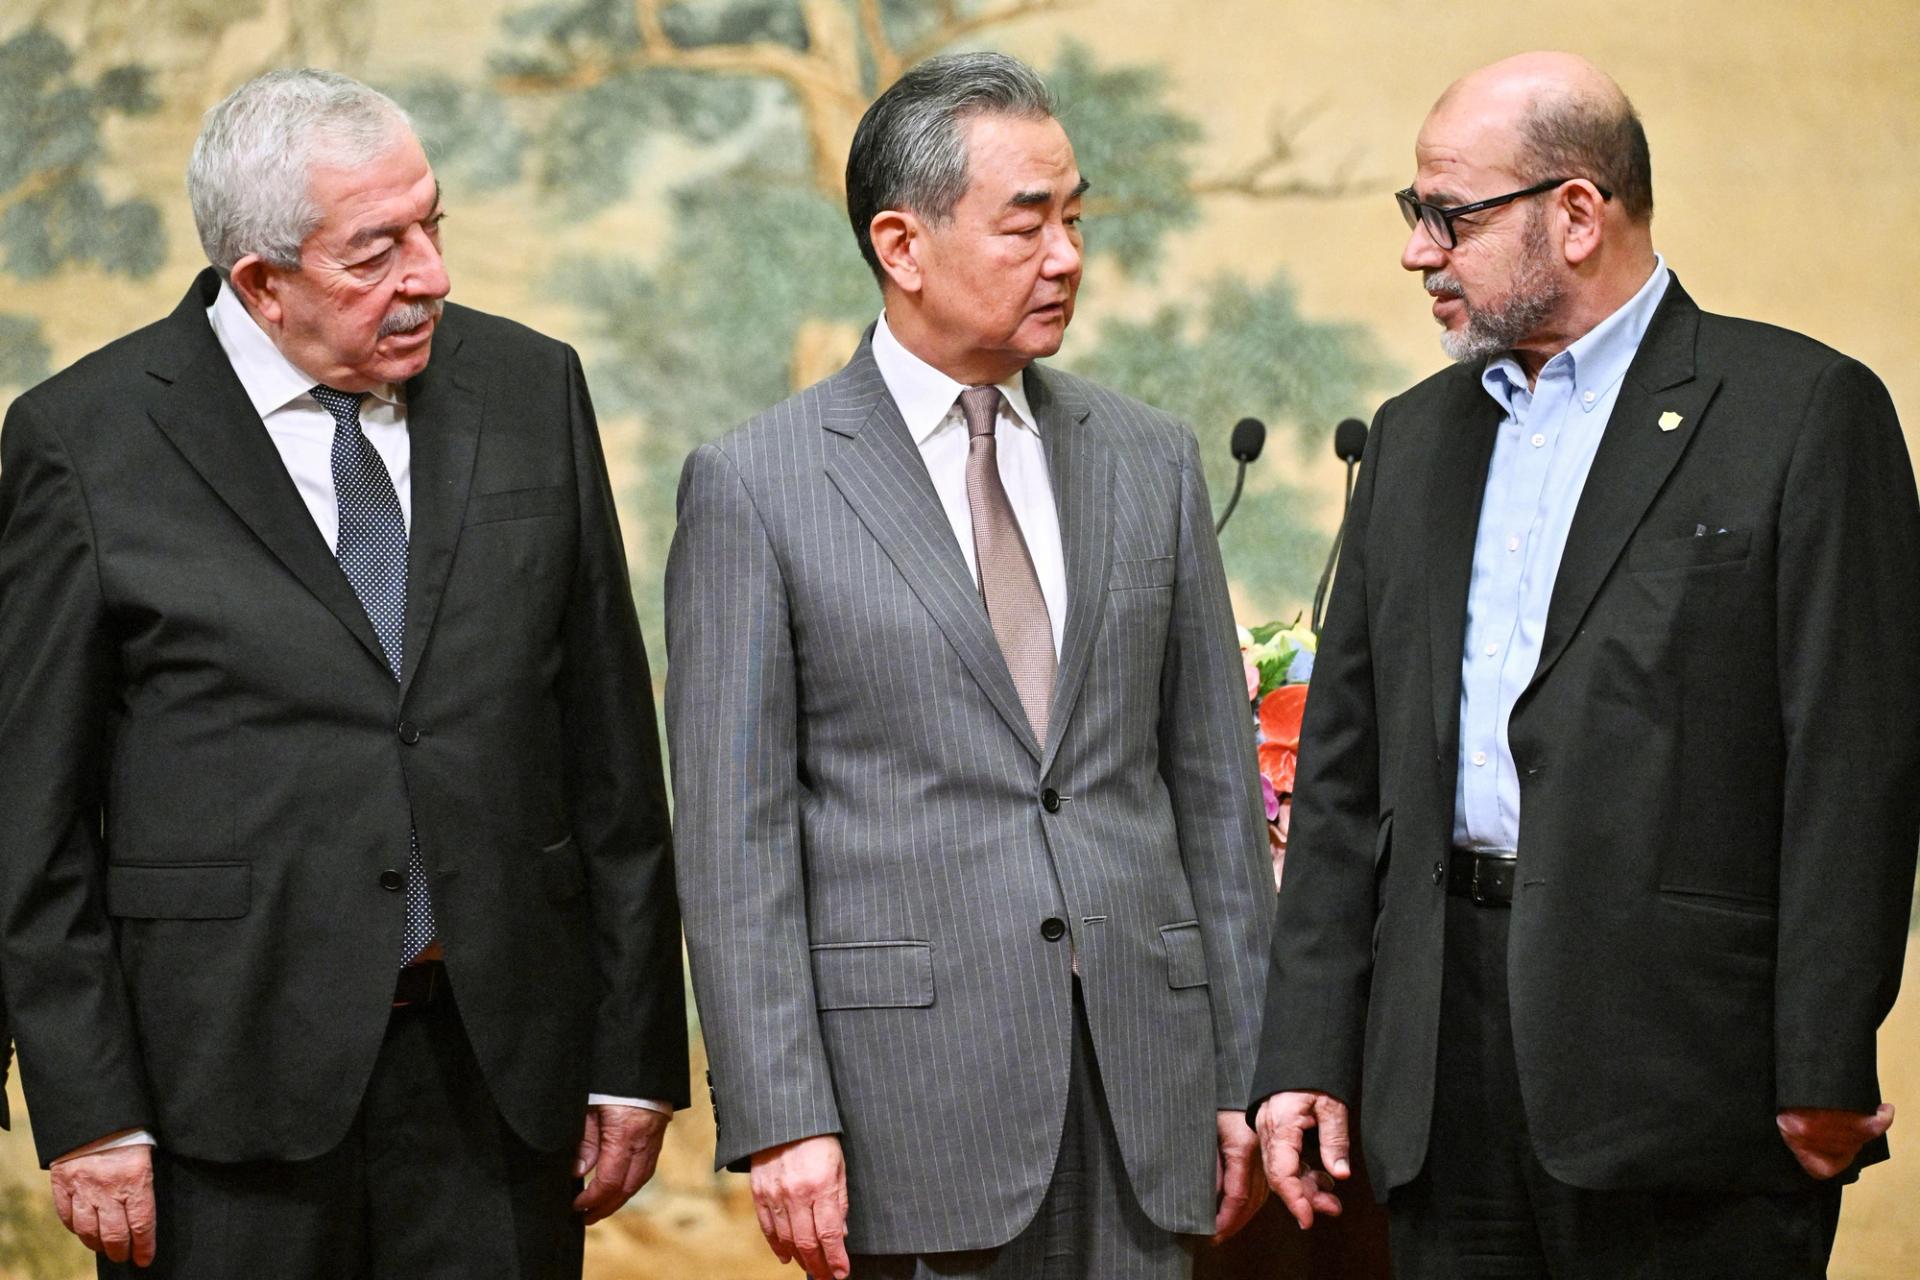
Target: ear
x,y
258,285
898,238
1586,214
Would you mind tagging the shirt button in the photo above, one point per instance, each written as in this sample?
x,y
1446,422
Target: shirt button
x,y
1539,440
1588,397
1479,758
1513,542
1493,647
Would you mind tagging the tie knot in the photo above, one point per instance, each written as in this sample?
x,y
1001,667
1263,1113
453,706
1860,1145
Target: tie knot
x,y
980,406
343,405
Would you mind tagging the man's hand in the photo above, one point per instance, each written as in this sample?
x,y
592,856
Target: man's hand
x,y
620,1145
1236,1176
1825,1141
1282,1125
800,1196
106,1198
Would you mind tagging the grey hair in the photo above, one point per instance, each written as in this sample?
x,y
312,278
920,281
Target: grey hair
x,y
1599,138
910,151
249,177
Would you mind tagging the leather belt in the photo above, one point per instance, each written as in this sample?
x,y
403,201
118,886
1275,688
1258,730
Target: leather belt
x,y
1485,875
420,985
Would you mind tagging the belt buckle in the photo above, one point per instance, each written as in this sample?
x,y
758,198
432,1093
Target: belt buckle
x,y
1493,880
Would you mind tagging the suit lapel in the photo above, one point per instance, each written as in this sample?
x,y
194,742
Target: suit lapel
x,y
206,414
1468,422
881,475
1633,462
444,409
1080,468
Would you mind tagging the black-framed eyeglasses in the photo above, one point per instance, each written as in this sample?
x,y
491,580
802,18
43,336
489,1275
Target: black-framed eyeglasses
x,y
1438,220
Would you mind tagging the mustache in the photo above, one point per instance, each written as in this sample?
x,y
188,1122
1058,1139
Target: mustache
x,y
410,316
1442,285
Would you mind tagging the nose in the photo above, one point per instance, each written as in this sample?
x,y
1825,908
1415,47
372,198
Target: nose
x,y
1420,252
1063,252
426,271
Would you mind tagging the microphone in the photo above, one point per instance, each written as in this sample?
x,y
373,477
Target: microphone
x,y
1249,437
1349,442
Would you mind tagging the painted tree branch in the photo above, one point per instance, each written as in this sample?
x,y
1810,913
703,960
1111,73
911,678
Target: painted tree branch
x,y
954,25
887,65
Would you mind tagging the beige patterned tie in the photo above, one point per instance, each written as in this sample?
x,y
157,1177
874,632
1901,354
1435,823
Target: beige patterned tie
x,y
1008,582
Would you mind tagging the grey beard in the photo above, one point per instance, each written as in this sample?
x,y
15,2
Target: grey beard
x,y
410,316
1536,294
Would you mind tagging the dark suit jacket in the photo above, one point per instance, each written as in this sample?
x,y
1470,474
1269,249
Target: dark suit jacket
x,y
1719,767
206,767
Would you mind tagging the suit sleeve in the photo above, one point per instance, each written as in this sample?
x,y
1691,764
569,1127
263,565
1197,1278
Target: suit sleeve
x,y
1322,955
617,798
732,716
1208,763
79,1053
1849,654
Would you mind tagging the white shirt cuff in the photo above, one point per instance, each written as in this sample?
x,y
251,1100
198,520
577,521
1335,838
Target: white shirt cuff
x,y
135,1138
645,1104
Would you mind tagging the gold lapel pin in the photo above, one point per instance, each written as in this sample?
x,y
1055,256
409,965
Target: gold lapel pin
x,y
1669,420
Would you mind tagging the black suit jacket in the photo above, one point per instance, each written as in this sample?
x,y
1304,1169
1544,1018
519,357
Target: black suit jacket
x,y
1719,766
206,767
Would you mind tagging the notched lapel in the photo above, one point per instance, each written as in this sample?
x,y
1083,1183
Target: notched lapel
x,y
1468,423
207,416
879,471
1631,466
445,406
1080,467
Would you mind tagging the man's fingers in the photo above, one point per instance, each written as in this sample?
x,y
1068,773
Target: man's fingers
x,y
806,1240
116,1237
86,1221
1331,1117
589,1146
62,1200
782,1237
1880,1121
142,1217
830,1221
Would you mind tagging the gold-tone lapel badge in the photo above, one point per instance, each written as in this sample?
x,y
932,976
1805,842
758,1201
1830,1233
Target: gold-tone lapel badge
x,y
1669,420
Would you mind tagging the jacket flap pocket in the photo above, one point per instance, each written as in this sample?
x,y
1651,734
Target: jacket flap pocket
x,y
1131,575
179,890
517,504
1186,956
1689,552
873,975
560,866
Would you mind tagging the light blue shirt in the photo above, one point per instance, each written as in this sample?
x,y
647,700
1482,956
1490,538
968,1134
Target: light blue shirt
x,y
1545,448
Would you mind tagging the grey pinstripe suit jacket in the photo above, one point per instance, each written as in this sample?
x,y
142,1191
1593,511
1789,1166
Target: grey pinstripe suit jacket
x,y
864,858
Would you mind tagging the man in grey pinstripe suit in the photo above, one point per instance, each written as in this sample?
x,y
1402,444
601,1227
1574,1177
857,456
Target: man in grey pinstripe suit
x,y
970,847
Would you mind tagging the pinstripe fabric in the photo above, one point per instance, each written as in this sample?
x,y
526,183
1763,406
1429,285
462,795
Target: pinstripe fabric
x,y
864,858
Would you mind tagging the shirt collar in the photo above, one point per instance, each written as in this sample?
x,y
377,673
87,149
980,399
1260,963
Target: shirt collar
x,y
925,395
271,381
1599,359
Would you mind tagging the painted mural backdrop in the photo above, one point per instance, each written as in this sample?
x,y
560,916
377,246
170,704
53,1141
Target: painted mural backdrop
x,y
661,184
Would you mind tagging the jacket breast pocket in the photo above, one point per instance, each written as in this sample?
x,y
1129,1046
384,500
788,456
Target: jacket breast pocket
x,y
873,975
1141,575
179,890
1689,552
1186,955
518,504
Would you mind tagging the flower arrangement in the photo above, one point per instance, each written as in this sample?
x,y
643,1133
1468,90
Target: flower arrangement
x,y
1279,661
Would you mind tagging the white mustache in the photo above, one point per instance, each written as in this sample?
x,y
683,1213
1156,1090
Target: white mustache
x,y
410,316
1442,285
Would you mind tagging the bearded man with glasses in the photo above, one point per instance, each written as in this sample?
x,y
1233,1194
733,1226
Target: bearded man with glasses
x,y
1603,842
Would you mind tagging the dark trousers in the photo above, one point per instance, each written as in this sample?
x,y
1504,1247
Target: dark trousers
x,y
1484,1208
430,1184
1089,1227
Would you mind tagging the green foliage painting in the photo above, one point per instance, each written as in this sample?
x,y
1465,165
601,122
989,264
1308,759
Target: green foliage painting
x,y
759,288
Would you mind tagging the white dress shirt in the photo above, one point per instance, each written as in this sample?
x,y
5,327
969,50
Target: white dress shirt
x,y
302,431
929,403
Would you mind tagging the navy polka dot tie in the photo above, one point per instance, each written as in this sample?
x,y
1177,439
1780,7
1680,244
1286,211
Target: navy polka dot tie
x,y
372,551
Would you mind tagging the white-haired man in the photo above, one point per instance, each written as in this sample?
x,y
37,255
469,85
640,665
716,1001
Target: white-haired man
x,y
336,861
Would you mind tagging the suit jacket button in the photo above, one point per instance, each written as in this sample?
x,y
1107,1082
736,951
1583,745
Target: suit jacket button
x,y
392,881
1439,873
1053,928
409,732
1050,801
